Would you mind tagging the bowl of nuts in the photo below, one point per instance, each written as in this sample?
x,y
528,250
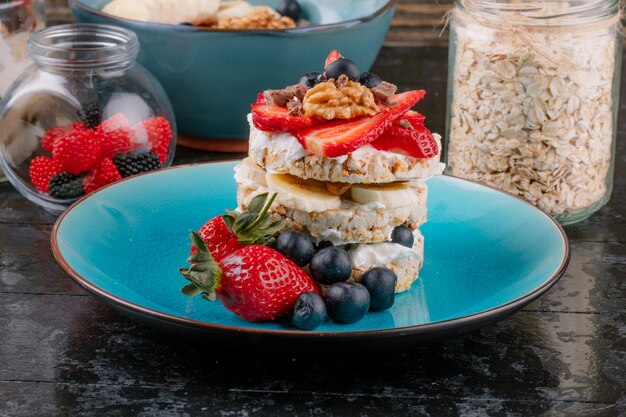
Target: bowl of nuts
x,y
214,56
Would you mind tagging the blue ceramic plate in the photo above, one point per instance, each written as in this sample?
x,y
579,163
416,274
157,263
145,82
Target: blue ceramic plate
x,y
487,254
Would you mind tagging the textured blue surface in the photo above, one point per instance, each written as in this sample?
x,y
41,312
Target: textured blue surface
x,y
483,247
212,77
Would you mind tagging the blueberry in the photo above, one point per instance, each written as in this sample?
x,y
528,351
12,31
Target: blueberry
x,y
381,284
403,236
311,79
309,311
289,8
370,80
343,66
320,79
347,302
331,265
296,246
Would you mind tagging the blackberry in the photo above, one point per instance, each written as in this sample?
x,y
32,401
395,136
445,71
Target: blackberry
x,y
90,114
135,162
66,185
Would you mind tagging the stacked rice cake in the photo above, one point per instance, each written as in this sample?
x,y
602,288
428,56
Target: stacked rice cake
x,y
356,200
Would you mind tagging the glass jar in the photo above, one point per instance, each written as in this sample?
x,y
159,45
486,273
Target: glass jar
x,y
83,116
533,99
18,19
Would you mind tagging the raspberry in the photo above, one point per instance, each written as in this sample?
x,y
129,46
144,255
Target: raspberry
x,y
65,186
77,151
115,122
116,136
105,173
115,141
159,134
133,163
42,169
53,134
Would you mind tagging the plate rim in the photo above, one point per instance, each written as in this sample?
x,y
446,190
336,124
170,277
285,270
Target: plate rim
x,y
468,320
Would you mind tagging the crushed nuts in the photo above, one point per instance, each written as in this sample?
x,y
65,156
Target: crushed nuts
x,y
261,17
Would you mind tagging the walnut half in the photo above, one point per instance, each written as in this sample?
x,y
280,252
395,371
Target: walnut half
x,y
349,100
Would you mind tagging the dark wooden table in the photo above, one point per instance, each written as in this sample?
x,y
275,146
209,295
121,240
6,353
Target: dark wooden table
x,y
64,354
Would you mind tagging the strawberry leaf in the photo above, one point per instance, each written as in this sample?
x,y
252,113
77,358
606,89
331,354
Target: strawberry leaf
x,y
204,273
191,290
257,203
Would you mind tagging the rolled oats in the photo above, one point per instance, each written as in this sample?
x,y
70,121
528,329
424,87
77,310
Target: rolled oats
x,y
532,113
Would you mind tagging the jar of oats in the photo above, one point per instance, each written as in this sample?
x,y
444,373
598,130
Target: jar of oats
x,y
533,100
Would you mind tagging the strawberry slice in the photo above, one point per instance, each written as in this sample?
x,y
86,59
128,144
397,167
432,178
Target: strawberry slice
x,y
416,141
413,117
332,57
278,120
260,98
342,137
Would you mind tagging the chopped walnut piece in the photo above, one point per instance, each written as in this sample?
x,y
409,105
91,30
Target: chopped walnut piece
x,y
337,188
328,101
342,81
384,91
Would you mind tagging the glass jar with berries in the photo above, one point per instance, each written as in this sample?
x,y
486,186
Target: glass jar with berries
x,y
83,116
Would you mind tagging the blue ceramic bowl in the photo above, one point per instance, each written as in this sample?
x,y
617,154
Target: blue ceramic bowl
x,y
487,254
212,76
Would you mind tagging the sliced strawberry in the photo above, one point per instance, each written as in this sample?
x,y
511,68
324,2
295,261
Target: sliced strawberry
x,y
260,98
342,137
416,141
332,57
413,117
277,119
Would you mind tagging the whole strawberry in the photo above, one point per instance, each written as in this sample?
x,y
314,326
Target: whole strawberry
x,y
220,240
225,234
77,151
256,283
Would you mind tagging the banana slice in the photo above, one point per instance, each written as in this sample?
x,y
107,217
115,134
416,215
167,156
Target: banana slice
x,y
304,195
388,195
249,172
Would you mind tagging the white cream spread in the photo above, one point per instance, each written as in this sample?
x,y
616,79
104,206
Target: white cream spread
x,y
284,142
366,255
